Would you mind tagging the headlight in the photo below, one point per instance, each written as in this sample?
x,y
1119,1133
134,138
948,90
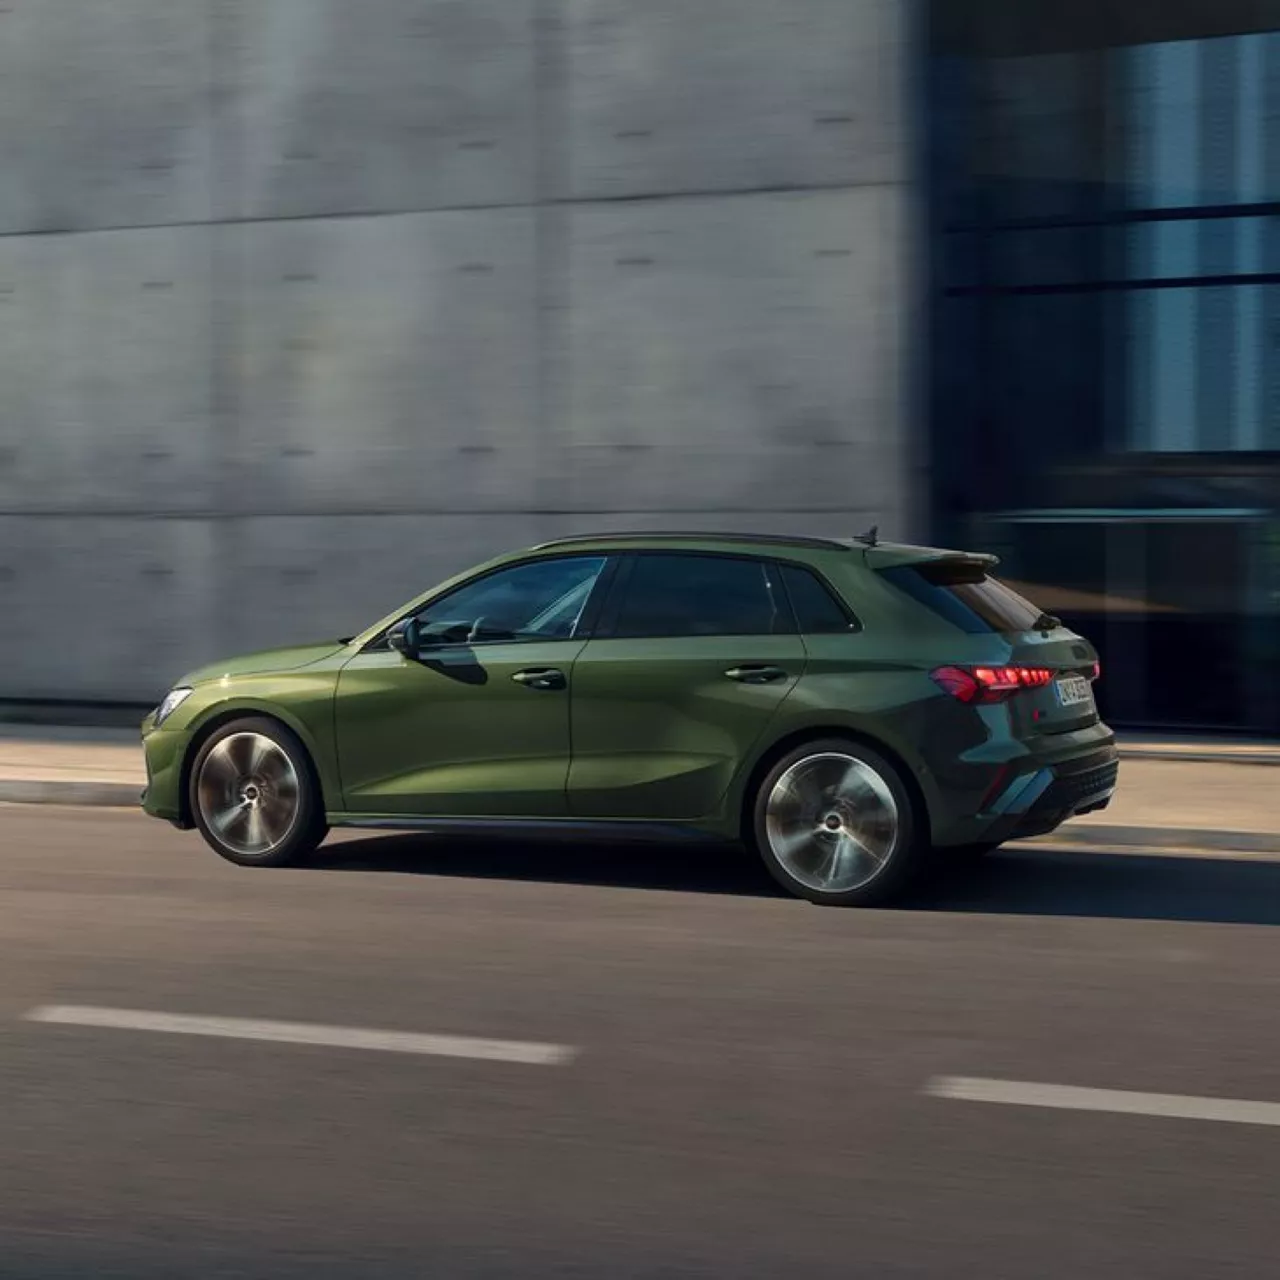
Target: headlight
x,y
172,701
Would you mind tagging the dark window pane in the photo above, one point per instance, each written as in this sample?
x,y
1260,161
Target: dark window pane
x,y
541,600
965,596
686,595
817,610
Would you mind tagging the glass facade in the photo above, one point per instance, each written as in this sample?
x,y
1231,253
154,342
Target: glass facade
x,y
1105,404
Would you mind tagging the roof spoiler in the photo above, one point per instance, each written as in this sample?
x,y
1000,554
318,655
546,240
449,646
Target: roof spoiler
x,y
970,557
887,554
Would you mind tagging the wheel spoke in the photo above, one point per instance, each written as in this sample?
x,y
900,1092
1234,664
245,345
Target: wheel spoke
x,y
277,770
835,867
853,782
227,822
828,865
259,751
824,779
855,848
277,818
286,787
788,845
254,832
239,750
218,765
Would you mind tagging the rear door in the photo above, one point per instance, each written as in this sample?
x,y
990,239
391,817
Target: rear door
x,y
694,655
964,592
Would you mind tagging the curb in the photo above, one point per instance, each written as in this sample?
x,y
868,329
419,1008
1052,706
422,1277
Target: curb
x,y
1162,838
115,795
1263,759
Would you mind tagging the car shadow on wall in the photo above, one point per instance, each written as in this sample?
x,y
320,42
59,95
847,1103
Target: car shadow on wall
x,y
1021,881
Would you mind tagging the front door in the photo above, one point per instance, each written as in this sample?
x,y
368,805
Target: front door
x,y
478,724
693,658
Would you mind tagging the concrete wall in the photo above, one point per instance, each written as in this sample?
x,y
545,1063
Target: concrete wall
x,y
306,303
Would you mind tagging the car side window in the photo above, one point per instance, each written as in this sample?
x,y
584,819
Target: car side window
x,y
537,600
818,612
699,595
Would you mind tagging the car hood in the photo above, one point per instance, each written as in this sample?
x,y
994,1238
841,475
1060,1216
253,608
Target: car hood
x,y
290,658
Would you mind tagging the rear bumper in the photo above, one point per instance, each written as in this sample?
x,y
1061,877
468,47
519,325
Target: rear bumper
x,y
1032,796
1051,796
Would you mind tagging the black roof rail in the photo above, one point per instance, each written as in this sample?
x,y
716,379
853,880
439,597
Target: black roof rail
x,y
700,535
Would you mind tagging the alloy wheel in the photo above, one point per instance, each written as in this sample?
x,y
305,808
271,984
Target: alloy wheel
x,y
249,793
832,822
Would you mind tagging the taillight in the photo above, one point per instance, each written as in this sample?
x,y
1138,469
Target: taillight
x,y
989,684
1097,671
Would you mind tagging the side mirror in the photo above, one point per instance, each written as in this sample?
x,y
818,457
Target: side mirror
x,y
405,639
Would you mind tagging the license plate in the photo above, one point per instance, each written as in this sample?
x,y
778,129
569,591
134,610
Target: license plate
x,y
1073,691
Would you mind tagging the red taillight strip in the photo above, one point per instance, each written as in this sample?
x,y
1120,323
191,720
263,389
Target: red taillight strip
x,y
1011,679
989,684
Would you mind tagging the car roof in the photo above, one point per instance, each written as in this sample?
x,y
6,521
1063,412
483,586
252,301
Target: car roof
x,y
878,554
663,537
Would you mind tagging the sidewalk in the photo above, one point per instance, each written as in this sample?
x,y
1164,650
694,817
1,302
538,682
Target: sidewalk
x,y
1179,803
44,765
1175,794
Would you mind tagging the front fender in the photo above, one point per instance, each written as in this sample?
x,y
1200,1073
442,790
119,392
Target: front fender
x,y
304,705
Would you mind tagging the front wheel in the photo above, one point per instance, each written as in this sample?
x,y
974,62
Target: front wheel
x,y
835,824
254,795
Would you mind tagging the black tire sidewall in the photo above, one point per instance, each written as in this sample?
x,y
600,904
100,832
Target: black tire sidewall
x,y
308,827
903,863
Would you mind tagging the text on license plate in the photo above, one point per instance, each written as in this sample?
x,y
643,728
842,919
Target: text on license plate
x,y
1073,691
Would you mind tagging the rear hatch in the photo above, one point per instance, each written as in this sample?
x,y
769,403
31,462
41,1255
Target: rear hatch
x,y
1057,695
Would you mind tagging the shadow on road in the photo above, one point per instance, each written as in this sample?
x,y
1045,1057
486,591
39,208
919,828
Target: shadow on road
x,y
682,868
1111,885
1013,882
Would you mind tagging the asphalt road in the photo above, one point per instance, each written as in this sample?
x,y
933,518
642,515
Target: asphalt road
x,y
743,1091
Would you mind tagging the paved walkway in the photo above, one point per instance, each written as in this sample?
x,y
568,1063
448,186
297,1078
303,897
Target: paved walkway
x,y
1174,794
40,765
1181,803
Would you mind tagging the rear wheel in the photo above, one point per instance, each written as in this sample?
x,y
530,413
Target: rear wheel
x,y
835,824
254,795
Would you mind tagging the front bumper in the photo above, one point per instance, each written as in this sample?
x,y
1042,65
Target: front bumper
x,y
163,751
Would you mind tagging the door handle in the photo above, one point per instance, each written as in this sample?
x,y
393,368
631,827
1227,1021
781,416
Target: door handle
x,y
756,674
541,678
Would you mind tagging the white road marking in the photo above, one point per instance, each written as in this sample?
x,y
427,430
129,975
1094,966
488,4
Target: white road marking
x,y
530,1053
1061,1097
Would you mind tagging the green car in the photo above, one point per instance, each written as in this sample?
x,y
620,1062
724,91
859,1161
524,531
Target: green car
x,y
843,707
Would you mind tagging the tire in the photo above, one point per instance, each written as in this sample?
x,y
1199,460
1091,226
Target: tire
x,y
257,766
842,787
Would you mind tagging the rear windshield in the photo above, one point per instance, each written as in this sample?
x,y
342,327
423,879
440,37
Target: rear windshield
x,y
965,595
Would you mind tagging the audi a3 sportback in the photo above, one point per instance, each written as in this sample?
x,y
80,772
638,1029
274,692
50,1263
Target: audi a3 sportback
x,y
842,707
